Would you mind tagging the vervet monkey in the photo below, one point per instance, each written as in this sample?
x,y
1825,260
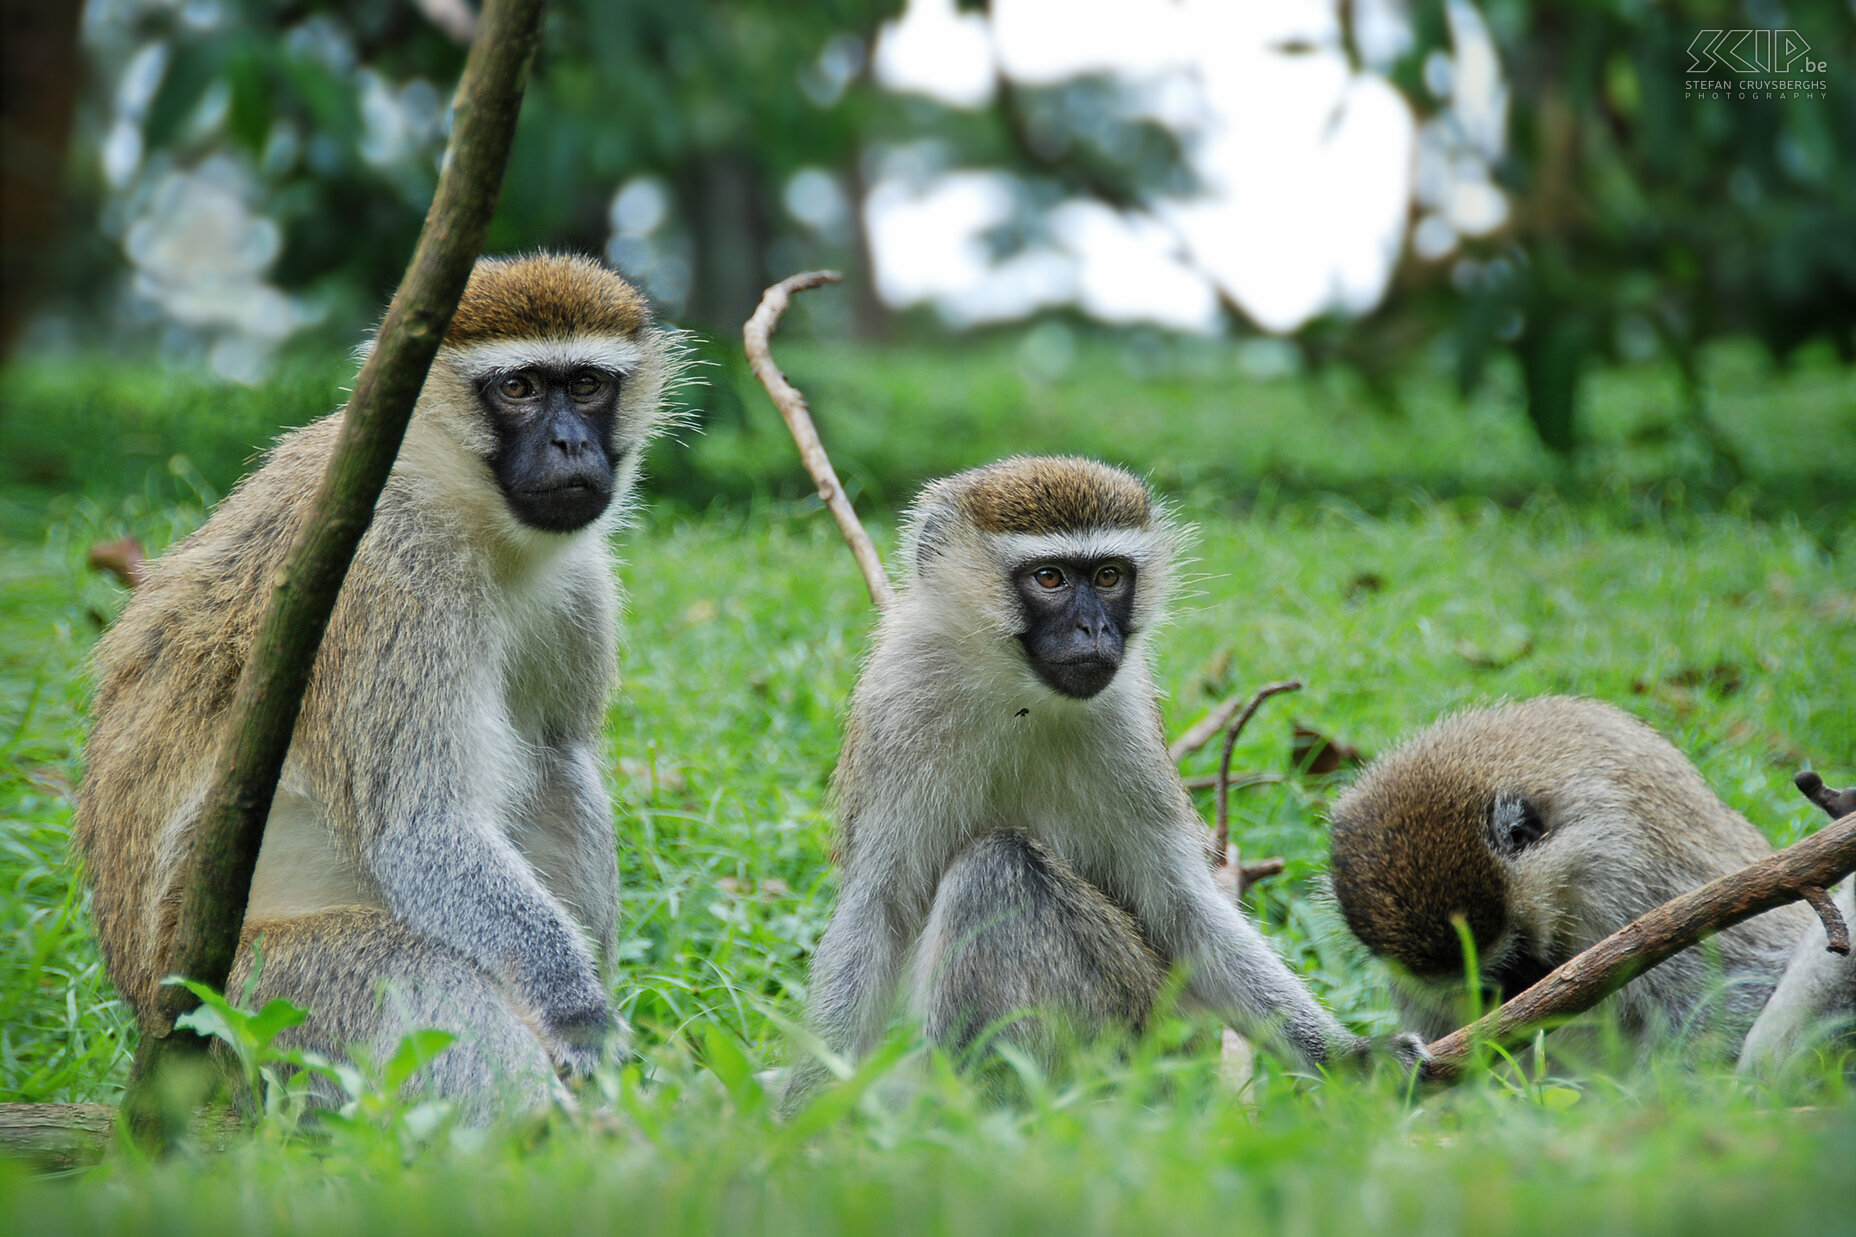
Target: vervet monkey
x,y
1545,826
440,852
1013,836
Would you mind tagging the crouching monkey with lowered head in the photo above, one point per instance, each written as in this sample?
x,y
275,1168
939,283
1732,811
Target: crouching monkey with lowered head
x,y
1545,826
440,852
1015,843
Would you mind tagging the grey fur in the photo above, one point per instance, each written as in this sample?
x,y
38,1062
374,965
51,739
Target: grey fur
x,y
1814,1003
1017,937
1628,824
953,747
441,850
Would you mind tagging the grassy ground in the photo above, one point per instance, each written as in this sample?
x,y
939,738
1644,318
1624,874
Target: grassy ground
x,y
1723,612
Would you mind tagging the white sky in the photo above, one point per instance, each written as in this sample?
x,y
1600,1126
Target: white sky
x,y
1307,168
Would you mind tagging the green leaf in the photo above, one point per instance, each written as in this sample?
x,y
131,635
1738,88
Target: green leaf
x,y
248,120
727,1062
210,1023
834,1104
416,1049
1558,1099
277,1015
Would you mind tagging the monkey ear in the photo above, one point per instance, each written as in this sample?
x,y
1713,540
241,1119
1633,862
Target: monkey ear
x,y
1514,823
930,536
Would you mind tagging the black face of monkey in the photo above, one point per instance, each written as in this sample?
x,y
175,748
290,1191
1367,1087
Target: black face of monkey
x,y
1077,618
554,457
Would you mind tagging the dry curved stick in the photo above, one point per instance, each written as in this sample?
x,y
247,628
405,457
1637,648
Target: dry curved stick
x,y
1205,729
1221,836
1819,861
1835,803
798,418
1836,932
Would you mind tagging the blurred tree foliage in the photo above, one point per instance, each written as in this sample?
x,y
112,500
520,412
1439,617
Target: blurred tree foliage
x,y
722,101
1645,221
1642,222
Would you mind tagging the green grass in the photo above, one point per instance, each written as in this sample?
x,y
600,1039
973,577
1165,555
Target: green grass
x,y
1184,411
1733,632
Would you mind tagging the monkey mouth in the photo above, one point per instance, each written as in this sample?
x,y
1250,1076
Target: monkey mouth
x,y
564,490
561,507
1078,678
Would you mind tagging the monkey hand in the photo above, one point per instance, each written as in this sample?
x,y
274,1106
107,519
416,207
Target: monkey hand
x,y
577,1040
573,1013
1406,1047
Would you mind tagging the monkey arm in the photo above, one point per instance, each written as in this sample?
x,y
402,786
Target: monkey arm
x,y
566,838
425,777
854,978
450,878
1230,968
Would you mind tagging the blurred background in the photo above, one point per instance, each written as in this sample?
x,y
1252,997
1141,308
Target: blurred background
x,y
1356,247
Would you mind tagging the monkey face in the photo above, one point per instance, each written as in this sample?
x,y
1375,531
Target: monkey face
x,y
554,457
1077,615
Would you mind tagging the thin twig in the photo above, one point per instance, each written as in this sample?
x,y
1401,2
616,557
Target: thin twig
x,y
1836,932
798,418
1205,729
1834,802
1209,781
1820,861
1221,836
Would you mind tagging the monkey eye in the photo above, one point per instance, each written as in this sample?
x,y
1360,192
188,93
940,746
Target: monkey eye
x,y
585,385
1108,575
1048,577
516,386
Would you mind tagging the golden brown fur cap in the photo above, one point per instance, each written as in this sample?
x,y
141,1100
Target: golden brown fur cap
x,y
1409,855
545,296
1040,494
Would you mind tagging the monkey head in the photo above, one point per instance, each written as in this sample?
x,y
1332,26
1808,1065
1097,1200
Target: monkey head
x,y
1541,826
551,380
1041,566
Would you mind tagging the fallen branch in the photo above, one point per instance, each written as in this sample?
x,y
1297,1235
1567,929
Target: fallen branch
x,y
1817,862
269,694
798,418
56,1137
51,1138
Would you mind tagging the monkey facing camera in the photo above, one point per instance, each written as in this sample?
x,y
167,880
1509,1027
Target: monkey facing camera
x,y
1543,827
1017,849
440,851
